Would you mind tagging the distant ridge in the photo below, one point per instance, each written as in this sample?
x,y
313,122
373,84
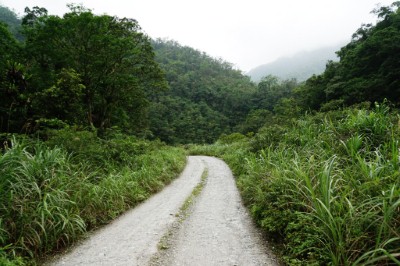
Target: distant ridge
x,y
300,66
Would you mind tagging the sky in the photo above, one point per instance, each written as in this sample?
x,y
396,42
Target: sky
x,y
246,33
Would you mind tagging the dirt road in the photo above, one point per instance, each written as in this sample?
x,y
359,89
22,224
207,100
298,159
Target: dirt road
x,y
217,231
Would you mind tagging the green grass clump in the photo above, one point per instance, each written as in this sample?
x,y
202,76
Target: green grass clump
x,y
326,187
52,192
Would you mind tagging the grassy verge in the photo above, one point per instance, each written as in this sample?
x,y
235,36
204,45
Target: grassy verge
x,y
325,188
52,192
184,211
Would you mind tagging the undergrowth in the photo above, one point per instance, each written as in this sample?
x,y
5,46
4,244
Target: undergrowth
x,y
53,191
326,187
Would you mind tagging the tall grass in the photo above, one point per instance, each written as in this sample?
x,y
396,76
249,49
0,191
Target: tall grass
x,y
52,192
326,188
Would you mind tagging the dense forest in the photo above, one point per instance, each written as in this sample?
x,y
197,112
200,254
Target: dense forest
x,y
207,97
89,103
65,64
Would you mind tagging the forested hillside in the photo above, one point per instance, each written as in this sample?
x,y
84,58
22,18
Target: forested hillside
x,y
10,18
368,69
206,96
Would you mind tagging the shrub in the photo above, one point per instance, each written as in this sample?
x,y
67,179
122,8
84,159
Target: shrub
x,y
52,192
325,188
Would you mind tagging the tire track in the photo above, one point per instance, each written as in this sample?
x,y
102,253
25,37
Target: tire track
x,y
218,230
132,238
215,230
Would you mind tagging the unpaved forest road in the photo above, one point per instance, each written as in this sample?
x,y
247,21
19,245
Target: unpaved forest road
x,y
217,232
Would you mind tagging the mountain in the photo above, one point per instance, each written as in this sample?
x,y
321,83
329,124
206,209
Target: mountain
x,y
300,66
207,97
9,17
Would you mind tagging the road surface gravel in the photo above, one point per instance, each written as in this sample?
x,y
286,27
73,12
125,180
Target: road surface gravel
x,y
218,230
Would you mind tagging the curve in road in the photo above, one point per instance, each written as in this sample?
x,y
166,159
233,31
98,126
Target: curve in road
x,y
218,230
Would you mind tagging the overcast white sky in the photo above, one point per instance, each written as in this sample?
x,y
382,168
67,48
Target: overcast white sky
x,y
246,33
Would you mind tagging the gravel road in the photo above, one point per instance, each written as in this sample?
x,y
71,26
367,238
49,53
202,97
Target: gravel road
x,y
217,231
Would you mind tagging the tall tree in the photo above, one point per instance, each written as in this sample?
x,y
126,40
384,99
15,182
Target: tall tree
x,y
111,57
14,98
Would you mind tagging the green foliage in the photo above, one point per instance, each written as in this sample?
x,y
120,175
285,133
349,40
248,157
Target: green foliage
x,y
231,138
207,97
64,99
113,151
270,90
50,195
255,120
11,19
103,64
38,214
88,70
324,187
272,101
14,98
368,69
177,120
14,262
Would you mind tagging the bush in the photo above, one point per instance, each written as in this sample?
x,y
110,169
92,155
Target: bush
x,y
325,188
231,138
52,192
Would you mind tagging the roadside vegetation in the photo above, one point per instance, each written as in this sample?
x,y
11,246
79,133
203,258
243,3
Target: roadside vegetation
x,y
325,187
53,191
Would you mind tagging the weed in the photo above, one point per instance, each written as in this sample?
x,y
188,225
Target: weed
x,y
51,195
325,188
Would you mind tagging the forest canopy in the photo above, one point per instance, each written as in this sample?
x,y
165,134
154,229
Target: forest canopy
x,y
82,69
207,96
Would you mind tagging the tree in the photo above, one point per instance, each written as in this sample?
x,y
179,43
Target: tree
x,y
64,99
13,83
111,57
207,96
368,70
271,90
